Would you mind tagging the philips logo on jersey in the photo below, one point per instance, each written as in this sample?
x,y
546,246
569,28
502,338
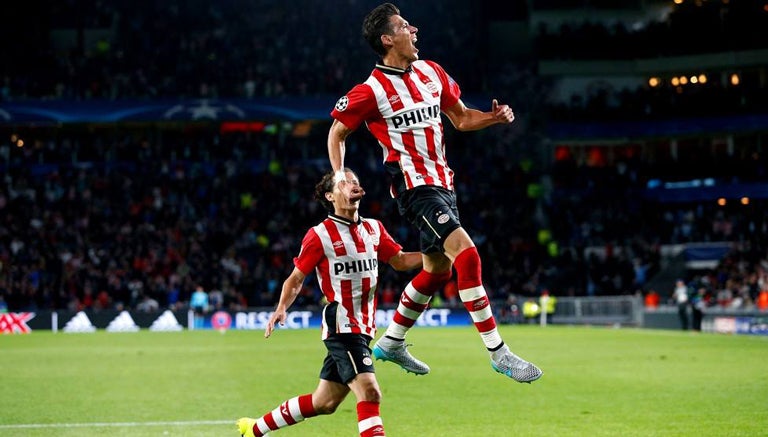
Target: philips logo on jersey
x,y
419,115
356,266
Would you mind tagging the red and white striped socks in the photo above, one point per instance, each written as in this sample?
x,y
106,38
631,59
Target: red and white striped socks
x,y
368,419
472,294
290,412
414,300
296,409
417,293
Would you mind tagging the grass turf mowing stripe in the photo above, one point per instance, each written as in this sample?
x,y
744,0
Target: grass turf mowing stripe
x,y
116,424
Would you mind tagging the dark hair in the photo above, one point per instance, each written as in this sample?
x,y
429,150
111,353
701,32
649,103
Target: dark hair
x,y
376,23
326,186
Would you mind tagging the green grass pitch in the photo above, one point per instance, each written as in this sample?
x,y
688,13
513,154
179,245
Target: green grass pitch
x,y
597,382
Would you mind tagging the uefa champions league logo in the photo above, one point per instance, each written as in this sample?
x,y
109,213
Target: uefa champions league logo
x,y
342,104
203,109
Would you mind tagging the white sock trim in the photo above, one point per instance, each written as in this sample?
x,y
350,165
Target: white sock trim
x,y
415,295
369,423
408,313
482,315
470,294
492,339
293,408
395,330
262,425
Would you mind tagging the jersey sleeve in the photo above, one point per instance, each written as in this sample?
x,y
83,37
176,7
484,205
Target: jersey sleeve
x,y
388,247
451,90
311,253
357,106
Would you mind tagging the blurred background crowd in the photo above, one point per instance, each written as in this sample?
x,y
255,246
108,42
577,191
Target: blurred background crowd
x,y
138,215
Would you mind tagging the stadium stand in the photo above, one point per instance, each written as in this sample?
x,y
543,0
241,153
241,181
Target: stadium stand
x,y
97,215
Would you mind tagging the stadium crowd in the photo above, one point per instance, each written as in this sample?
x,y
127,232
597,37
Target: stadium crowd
x,y
691,27
156,215
111,217
175,48
145,49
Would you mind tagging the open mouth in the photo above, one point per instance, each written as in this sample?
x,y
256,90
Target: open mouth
x,y
356,195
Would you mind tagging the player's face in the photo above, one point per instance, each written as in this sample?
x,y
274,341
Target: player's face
x,y
403,39
346,196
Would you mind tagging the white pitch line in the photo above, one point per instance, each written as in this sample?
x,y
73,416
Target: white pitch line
x,y
115,424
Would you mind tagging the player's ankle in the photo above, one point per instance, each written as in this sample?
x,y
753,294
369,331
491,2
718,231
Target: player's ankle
x,y
388,342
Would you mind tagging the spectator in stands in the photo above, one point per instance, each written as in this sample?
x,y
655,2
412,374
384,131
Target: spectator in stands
x,y
762,301
680,297
531,310
698,306
147,304
199,304
547,304
652,300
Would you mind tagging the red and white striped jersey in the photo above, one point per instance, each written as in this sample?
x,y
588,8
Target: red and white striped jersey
x,y
402,109
345,256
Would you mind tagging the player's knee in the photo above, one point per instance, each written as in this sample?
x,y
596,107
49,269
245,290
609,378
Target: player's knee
x,y
457,242
372,394
327,406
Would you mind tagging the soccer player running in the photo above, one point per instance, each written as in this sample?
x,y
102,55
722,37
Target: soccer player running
x,y
344,250
401,104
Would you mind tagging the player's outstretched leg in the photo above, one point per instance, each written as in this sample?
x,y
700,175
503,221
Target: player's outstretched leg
x,y
396,351
509,364
288,413
475,299
413,301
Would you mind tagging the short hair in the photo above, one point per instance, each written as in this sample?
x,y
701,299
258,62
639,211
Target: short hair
x,y
326,186
376,23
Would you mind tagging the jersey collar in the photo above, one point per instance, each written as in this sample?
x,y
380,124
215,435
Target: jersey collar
x,y
344,221
386,69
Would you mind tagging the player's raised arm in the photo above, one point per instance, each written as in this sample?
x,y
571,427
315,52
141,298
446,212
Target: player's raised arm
x,y
467,119
291,288
337,137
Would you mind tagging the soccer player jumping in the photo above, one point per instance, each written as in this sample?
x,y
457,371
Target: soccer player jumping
x,y
345,251
401,104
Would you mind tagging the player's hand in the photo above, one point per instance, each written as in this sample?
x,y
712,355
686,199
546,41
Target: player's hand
x,y
339,178
502,113
277,317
